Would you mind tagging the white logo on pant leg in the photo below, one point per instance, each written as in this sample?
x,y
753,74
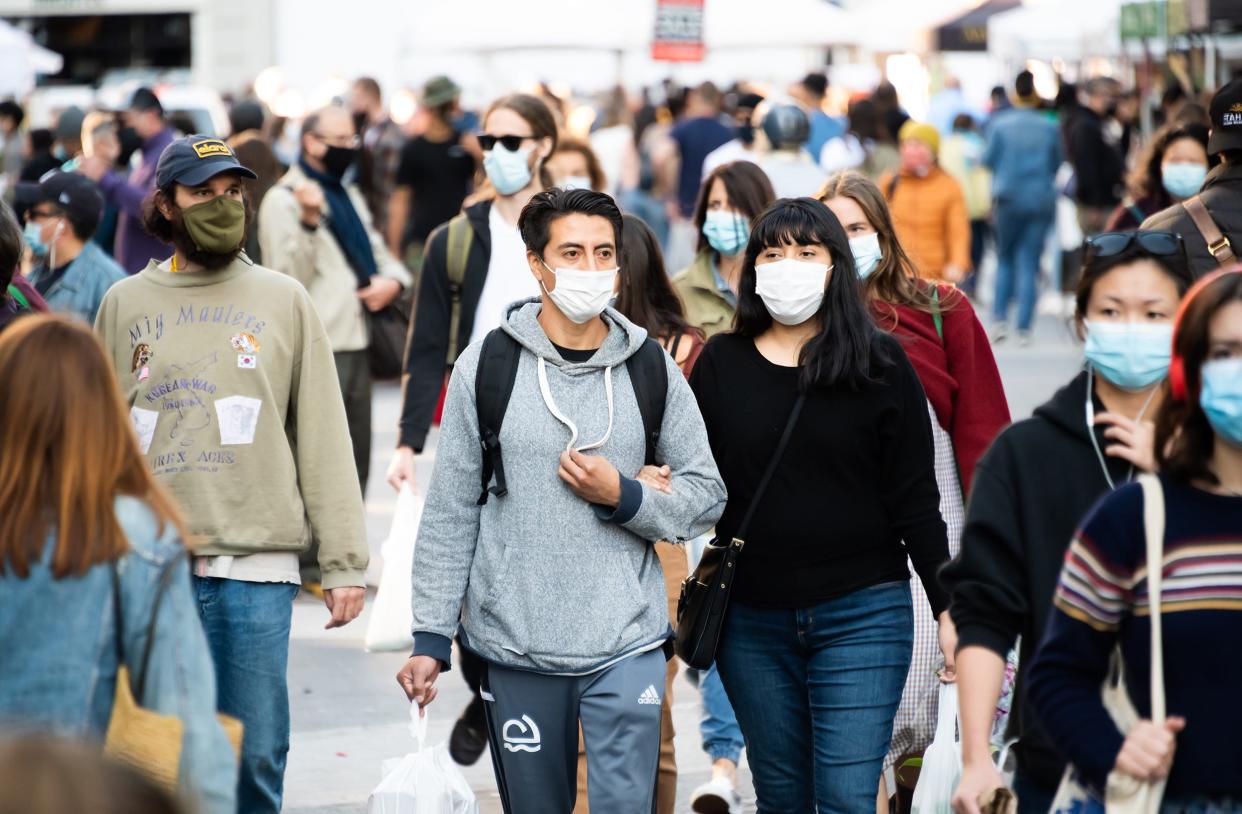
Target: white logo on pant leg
x,y
649,696
522,742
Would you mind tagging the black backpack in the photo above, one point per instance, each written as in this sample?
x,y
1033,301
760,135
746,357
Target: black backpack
x,y
493,385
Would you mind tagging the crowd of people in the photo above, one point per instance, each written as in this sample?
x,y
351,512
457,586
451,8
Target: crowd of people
x,y
724,327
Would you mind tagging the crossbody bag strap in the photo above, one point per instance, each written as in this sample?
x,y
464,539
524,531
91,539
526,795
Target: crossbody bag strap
x,y
771,470
120,617
1217,244
1153,525
170,568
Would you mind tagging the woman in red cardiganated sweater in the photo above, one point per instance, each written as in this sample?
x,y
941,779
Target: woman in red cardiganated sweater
x,y
951,355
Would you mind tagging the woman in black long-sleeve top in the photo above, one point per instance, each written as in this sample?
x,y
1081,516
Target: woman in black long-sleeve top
x,y
817,641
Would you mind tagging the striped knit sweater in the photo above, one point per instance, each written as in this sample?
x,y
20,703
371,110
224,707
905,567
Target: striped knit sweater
x,y
1102,600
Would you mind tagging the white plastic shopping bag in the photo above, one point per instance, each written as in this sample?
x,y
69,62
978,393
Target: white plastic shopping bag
x,y
942,762
422,782
389,628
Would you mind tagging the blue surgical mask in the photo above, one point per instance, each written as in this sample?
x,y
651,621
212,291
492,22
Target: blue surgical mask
x,y
508,171
34,239
1133,356
867,253
1221,398
1183,179
726,232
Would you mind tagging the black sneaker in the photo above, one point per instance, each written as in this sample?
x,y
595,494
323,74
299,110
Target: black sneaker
x,y
466,743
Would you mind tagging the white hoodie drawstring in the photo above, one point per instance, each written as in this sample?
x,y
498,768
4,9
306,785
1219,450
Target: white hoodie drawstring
x,y
564,419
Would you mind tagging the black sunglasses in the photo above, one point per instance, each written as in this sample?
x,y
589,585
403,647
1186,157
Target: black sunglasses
x,y
510,143
1159,243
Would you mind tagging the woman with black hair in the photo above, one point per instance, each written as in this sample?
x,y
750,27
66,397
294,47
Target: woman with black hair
x,y
1103,600
819,630
1170,170
646,297
1036,482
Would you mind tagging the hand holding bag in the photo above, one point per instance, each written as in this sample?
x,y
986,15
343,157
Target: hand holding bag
x,y
148,741
705,593
1125,794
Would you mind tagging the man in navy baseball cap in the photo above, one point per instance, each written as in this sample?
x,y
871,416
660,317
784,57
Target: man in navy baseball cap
x,y
199,202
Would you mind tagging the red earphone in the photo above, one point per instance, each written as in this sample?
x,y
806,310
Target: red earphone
x,y
1177,365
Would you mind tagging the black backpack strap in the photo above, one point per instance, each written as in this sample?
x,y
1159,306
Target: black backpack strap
x,y
649,377
493,385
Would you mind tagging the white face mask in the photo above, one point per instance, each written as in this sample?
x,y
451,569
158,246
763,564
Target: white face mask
x,y
576,182
582,295
792,290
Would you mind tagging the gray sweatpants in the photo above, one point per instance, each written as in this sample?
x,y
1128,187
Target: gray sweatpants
x,y
532,723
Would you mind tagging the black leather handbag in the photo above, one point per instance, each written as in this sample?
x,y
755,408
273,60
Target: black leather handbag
x,y
705,593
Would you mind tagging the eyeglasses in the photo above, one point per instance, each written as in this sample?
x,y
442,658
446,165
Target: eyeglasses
x,y
348,142
40,214
1159,243
510,143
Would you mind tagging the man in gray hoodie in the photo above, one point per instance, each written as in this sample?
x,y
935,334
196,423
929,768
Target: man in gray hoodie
x,y
555,584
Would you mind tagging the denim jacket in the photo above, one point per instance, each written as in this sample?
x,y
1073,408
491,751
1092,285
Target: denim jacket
x,y
1024,153
83,284
60,663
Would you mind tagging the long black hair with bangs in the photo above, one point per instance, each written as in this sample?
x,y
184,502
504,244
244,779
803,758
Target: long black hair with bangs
x,y
848,343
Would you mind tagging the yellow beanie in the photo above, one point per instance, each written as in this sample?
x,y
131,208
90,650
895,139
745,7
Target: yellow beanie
x,y
920,132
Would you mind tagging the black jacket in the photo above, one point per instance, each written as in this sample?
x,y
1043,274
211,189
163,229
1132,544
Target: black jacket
x,y
1031,489
1222,195
426,345
1098,167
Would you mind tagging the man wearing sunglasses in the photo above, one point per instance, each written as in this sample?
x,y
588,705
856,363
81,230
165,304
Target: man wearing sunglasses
x,y
314,225
1221,196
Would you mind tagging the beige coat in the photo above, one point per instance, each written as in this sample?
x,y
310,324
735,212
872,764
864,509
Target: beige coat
x,y
314,259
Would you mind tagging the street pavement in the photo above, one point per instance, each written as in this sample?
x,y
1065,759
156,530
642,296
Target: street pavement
x,y
349,714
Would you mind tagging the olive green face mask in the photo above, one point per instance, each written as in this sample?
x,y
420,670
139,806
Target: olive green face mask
x,y
217,226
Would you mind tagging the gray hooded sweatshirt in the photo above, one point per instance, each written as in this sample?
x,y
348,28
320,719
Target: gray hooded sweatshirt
x,y
540,579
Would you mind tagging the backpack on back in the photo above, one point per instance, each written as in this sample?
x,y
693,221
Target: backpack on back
x,y
493,385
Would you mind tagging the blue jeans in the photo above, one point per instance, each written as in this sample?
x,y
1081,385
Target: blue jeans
x,y
816,691
1020,240
722,738
247,626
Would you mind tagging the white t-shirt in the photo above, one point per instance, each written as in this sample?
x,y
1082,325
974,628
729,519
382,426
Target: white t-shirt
x,y
508,277
727,153
793,174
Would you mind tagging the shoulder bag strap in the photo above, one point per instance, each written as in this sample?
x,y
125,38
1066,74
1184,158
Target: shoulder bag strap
x,y
171,568
1217,243
937,316
117,609
1153,525
771,470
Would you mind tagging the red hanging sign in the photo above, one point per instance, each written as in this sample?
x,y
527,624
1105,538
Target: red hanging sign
x,y
678,31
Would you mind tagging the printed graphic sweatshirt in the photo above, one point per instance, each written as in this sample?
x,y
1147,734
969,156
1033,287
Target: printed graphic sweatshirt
x,y
224,371
540,579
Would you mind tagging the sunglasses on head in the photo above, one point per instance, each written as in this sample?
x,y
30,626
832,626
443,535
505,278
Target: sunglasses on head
x,y
510,143
1159,243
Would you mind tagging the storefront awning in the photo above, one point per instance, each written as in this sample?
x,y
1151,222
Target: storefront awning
x,y
969,32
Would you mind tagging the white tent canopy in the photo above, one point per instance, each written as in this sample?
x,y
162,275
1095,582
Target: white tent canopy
x,y
490,25
21,60
1071,30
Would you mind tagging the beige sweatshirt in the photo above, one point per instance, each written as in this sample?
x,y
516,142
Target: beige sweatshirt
x,y
224,371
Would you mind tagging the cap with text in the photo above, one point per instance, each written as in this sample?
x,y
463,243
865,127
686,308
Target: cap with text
x,y
193,160
1226,115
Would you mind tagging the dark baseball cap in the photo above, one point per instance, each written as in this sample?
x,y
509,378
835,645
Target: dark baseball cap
x,y
145,99
192,160
1226,116
76,194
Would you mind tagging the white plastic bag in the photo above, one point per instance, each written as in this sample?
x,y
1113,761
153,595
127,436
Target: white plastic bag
x,y
942,762
422,782
389,627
